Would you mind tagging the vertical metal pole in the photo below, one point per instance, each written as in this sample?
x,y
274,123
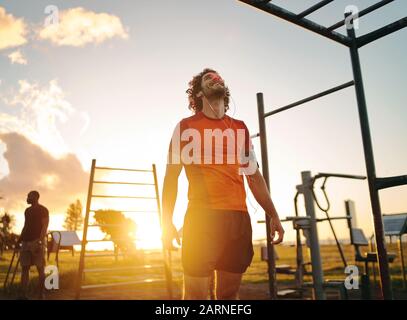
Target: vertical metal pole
x,y
264,160
403,270
85,232
167,262
373,249
317,272
299,274
385,282
10,267
15,270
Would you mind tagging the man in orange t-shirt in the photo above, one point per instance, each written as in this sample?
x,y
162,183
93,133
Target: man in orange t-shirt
x,y
216,153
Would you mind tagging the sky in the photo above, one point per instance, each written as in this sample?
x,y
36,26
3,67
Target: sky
x,y
107,81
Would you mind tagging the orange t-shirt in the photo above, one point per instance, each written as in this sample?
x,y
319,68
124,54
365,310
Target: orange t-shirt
x,y
211,152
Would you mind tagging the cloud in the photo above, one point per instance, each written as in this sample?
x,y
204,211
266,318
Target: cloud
x,y
37,112
59,181
78,27
12,30
17,57
33,153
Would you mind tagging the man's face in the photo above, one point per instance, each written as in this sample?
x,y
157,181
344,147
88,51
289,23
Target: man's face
x,y
31,198
213,86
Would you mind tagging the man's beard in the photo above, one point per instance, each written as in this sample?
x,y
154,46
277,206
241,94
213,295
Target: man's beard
x,y
216,92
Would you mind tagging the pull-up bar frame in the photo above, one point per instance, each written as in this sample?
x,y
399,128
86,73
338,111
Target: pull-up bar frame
x,y
353,43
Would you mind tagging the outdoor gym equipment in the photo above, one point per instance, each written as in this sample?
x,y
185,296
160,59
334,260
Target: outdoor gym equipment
x,y
61,240
164,267
12,269
358,240
395,225
325,176
308,225
353,43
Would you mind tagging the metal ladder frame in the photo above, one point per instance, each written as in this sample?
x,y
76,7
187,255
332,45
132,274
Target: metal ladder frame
x,y
85,240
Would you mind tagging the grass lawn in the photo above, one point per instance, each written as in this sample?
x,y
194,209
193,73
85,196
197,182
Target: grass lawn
x,y
254,286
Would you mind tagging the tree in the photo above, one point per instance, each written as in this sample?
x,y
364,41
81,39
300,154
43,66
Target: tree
x,y
73,218
8,239
118,228
7,222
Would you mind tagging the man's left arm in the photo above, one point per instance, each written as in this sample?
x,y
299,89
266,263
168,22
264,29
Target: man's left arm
x,y
261,193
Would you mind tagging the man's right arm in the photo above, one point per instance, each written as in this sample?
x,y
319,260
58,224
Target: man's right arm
x,y
170,186
170,190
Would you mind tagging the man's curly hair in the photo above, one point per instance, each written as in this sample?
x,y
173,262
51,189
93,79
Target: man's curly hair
x,y
195,103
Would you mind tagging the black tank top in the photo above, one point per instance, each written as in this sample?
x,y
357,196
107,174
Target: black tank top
x,y
33,222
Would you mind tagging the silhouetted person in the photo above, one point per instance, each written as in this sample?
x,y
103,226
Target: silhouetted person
x,y
32,240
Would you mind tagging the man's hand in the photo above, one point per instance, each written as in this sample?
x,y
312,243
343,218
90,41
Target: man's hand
x,y
169,234
275,226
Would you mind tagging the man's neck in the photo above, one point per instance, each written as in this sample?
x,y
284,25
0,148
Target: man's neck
x,y
218,106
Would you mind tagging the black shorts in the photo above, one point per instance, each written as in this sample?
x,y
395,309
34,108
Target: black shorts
x,y
216,240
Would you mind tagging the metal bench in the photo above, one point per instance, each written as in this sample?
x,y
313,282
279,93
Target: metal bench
x,y
61,240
